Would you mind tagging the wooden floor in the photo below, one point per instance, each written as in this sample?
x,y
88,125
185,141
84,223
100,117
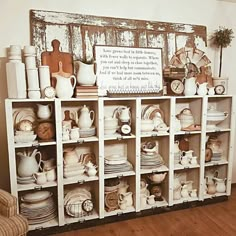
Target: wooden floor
x,y
214,219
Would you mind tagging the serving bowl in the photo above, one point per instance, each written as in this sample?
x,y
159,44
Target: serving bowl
x,y
214,120
25,138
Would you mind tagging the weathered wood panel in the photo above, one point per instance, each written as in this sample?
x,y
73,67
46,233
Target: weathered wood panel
x,y
79,33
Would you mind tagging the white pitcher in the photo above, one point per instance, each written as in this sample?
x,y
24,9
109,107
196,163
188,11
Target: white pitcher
x,y
190,86
85,75
202,89
44,111
28,164
64,88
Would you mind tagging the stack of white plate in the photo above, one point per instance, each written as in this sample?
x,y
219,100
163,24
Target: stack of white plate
x,y
72,170
84,133
25,180
116,163
150,161
74,199
38,207
216,156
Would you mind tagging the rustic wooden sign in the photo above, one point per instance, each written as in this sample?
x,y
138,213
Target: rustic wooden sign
x,y
79,33
128,69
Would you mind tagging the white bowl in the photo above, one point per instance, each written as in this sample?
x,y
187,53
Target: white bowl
x,y
27,132
70,174
111,130
111,188
147,125
24,138
213,121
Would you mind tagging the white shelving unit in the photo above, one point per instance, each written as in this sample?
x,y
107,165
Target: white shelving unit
x,y
103,145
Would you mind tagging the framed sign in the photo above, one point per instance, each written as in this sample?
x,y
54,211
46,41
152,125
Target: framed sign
x,y
128,69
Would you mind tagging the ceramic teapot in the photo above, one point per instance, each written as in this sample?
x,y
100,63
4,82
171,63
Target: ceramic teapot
x,y
86,118
44,111
28,164
64,88
85,74
157,178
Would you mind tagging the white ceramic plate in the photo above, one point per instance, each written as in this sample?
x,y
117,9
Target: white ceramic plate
x,y
24,114
36,196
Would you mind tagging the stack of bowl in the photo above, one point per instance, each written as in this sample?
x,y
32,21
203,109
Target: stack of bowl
x,y
110,125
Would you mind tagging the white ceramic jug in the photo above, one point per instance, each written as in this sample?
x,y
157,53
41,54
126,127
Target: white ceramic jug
x,y
44,111
124,114
202,89
28,164
220,185
40,178
190,86
85,75
64,88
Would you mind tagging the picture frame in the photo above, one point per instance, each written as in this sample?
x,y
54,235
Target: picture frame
x,y
128,70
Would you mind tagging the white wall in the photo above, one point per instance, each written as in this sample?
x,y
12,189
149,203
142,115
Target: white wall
x,y
15,29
